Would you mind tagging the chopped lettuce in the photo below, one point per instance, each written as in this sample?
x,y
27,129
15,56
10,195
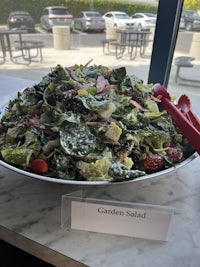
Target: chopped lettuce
x,y
76,139
98,170
120,172
21,155
17,156
113,132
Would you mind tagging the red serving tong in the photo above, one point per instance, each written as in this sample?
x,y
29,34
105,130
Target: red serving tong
x,y
184,105
181,114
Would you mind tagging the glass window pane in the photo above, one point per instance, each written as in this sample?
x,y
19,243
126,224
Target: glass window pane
x,y
184,76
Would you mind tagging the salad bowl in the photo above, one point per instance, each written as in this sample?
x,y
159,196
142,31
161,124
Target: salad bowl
x,y
89,125
160,174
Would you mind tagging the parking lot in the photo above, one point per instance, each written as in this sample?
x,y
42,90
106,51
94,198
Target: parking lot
x,y
87,39
93,39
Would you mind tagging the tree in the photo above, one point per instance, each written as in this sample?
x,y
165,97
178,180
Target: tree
x,y
192,4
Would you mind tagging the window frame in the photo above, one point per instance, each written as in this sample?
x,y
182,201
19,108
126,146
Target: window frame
x,y
167,27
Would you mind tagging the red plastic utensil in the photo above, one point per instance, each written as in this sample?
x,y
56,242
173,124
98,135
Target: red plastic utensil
x,y
185,126
184,105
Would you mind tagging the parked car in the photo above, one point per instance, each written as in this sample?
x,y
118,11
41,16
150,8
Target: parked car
x,y
89,20
117,19
190,20
21,20
144,21
56,15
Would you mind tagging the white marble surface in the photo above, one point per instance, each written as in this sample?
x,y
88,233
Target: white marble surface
x,y
32,208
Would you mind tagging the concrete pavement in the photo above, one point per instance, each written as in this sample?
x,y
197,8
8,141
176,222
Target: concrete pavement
x,y
78,55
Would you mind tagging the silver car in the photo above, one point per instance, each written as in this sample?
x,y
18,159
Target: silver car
x,y
89,20
54,16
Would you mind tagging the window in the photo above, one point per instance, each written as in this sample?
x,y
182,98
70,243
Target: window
x,y
59,11
168,18
171,46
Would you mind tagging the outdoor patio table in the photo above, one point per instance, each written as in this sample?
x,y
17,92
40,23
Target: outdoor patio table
x,y
131,40
6,45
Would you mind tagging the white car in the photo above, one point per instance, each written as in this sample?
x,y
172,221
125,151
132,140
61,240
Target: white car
x,y
117,19
144,21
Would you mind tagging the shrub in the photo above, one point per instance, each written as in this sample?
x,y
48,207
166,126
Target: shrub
x,y
35,7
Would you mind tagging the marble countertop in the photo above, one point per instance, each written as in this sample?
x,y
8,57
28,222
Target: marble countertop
x,y
30,212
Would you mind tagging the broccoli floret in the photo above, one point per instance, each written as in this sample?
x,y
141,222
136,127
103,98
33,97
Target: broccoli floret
x,y
154,140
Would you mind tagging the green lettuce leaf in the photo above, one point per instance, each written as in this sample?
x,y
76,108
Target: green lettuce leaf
x,y
76,139
96,171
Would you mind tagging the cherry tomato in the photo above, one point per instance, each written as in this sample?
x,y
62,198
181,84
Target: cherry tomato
x,y
39,166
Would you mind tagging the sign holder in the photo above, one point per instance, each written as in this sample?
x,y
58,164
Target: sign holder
x,y
115,217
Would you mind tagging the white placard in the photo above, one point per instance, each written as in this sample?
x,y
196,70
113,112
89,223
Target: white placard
x,y
149,223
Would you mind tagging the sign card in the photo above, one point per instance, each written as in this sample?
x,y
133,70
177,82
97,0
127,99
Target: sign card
x,y
136,220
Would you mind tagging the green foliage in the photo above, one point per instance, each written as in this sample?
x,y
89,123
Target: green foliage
x,y
104,6
35,7
192,4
